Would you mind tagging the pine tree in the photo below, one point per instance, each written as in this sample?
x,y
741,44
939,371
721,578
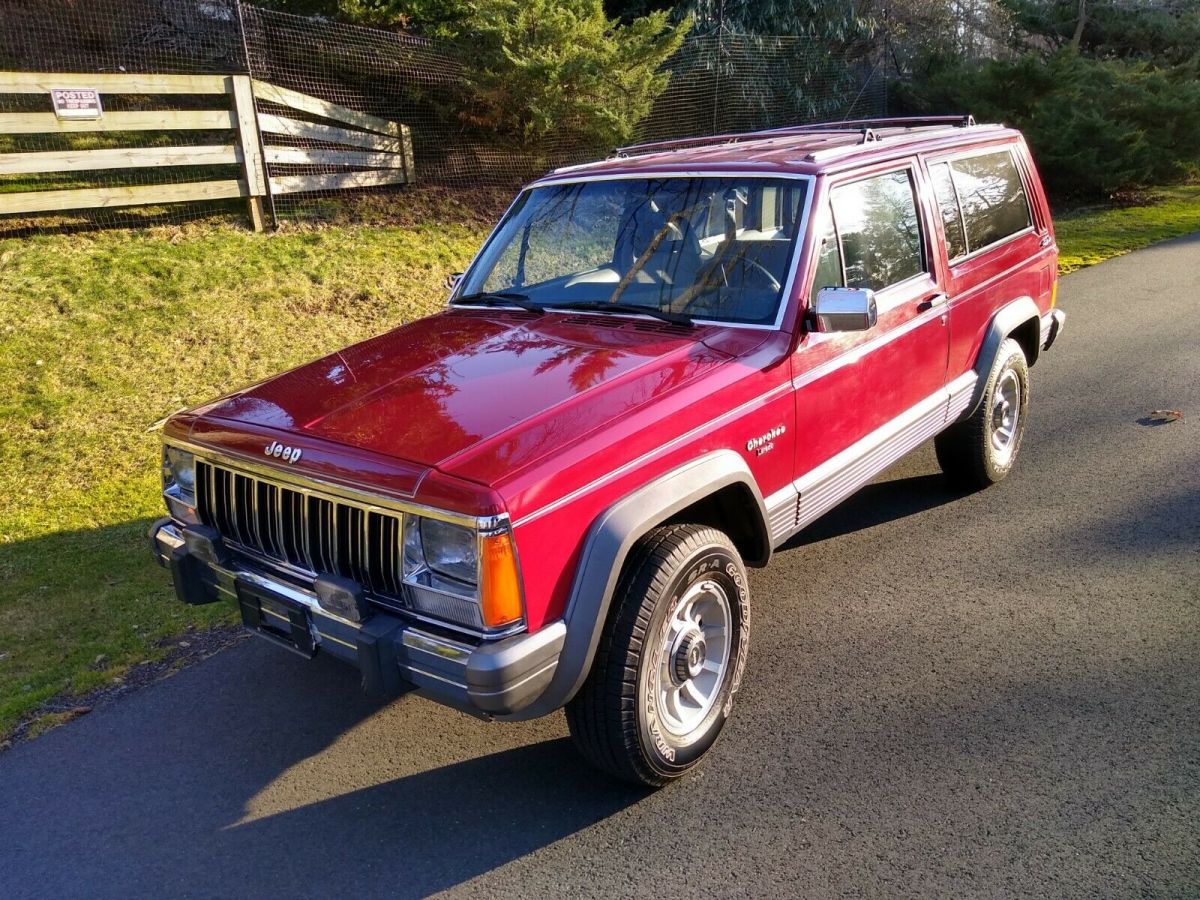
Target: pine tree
x,y
561,70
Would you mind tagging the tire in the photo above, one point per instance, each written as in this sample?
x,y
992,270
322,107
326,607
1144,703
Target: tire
x,y
982,449
623,720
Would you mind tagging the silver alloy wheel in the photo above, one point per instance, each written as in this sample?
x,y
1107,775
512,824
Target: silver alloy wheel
x,y
693,658
1006,412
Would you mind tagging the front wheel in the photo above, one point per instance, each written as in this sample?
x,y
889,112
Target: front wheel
x,y
981,450
670,660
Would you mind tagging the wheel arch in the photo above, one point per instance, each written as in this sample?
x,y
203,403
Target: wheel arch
x,y
732,509
712,485
1019,319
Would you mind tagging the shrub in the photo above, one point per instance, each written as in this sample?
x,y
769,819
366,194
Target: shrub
x,y
1096,126
560,70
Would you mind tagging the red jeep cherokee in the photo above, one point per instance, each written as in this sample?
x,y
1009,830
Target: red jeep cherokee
x,y
658,369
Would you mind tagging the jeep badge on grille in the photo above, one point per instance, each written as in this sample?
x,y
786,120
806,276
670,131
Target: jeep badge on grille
x,y
279,451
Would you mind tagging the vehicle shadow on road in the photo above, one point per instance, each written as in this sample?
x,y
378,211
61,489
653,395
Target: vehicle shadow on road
x,y
878,504
217,779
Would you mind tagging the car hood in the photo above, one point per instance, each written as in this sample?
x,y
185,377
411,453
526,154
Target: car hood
x,y
440,389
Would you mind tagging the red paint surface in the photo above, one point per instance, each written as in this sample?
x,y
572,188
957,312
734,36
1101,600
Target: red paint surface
x,y
553,418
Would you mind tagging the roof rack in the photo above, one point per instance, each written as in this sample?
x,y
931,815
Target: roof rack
x,y
865,127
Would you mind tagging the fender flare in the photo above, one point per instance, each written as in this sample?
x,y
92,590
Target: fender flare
x,y
1007,319
605,549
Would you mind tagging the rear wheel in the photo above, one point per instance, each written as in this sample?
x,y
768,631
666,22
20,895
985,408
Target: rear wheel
x,y
981,450
670,659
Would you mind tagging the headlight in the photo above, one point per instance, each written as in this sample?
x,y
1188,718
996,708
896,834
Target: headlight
x,y
179,483
453,572
449,550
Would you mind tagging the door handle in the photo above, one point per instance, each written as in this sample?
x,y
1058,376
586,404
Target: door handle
x,y
1046,240
938,299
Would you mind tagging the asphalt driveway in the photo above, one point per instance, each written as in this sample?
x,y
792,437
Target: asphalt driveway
x,y
986,695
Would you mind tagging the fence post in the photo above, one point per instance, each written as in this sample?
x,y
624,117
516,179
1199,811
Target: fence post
x,y
406,150
252,158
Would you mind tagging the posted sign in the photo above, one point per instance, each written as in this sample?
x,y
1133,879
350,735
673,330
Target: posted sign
x,y
76,103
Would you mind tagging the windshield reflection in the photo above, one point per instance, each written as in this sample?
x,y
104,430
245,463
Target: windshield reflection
x,y
711,248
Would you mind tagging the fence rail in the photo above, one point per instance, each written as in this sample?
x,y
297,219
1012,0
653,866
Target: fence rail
x,y
386,160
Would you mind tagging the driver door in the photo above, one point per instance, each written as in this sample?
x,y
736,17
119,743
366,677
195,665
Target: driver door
x,y
856,392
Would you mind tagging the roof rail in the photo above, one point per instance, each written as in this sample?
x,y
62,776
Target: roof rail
x,y
865,126
825,154
965,121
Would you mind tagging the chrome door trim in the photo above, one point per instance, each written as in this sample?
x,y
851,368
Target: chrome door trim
x,y
859,351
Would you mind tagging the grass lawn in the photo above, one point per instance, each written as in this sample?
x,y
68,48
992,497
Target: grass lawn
x,y
104,334
1088,236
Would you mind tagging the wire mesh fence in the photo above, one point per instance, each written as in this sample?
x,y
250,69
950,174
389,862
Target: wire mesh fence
x,y
106,38
348,119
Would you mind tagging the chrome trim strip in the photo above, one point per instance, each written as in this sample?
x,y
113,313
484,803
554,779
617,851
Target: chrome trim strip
x,y
650,454
424,673
857,352
330,490
961,389
436,646
329,637
549,666
841,475
171,539
1047,324
291,592
782,512
231,499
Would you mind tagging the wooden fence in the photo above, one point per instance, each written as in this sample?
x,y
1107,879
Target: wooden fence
x,y
363,150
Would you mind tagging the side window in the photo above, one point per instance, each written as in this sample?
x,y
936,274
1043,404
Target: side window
x,y
829,261
877,222
994,205
947,201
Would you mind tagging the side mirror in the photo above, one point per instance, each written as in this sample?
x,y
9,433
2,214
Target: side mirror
x,y
451,281
844,309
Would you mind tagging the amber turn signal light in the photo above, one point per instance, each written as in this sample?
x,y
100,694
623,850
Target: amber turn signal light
x,y
500,585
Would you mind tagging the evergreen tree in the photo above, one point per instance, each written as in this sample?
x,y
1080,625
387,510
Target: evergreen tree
x,y
562,70
1165,32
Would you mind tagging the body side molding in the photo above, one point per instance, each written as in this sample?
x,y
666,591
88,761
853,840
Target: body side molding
x,y
818,491
609,541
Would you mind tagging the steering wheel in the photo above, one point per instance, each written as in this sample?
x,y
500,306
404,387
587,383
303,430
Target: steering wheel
x,y
755,266
760,271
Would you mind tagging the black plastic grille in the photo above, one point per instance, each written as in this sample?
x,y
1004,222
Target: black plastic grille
x,y
316,534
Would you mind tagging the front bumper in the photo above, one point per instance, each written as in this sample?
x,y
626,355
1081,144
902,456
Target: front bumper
x,y
490,679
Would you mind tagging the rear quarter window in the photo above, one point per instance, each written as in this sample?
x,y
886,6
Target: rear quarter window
x,y
994,204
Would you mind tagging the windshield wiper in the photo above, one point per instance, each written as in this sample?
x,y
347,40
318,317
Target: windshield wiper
x,y
499,298
604,306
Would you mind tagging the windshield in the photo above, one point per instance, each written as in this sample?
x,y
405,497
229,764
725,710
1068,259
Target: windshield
x,y
709,248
